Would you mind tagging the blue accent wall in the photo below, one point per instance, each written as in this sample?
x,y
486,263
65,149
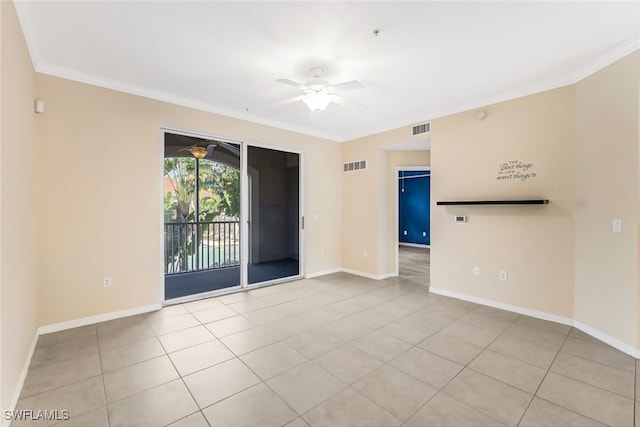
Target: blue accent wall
x,y
414,195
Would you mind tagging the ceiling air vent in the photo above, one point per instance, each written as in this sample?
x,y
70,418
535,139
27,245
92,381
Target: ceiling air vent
x,y
354,166
421,129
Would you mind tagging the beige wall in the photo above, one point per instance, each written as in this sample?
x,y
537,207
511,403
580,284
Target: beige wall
x,y
367,200
18,212
534,244
606,263
101,180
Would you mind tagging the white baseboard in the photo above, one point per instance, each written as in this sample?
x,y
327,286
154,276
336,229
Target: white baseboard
x,y
607,339
413,245
613,342
368,275
322,273
84,321
21,378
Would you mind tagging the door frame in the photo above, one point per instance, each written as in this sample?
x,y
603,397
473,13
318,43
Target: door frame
x,y
244,216
396,242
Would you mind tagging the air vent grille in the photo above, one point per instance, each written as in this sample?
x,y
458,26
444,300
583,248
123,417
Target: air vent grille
x,y
354,166
420,129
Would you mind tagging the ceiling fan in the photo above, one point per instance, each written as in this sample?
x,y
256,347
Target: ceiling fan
x,y
319,93
200,152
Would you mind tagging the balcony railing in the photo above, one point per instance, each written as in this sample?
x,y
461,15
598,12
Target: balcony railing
x,y
197,246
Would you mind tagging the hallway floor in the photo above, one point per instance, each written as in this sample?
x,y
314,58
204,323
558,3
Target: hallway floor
x,y
338,350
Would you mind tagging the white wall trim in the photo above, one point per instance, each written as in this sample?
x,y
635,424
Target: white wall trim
x,y
84,321
368,275
607,339
22,377
613,342
322,273
414,245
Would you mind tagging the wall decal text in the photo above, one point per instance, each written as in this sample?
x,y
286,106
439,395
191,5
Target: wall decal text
x,y
515,170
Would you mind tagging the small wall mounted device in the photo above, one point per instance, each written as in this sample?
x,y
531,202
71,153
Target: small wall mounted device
x,y
459,219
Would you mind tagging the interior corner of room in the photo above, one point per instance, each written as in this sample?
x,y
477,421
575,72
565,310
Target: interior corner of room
x,y
83,198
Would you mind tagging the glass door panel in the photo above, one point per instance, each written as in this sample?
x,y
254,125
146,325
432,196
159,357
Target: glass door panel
x,y
274,214
202,215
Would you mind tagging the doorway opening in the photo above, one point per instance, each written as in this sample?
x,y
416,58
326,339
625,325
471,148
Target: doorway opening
x,y
413,221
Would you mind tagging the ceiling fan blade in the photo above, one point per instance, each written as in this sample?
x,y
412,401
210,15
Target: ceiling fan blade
x,y
230,148
345,102
292,83
289,101
341,87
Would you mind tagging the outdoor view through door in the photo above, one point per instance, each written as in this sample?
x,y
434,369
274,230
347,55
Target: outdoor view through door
x,y
201,215
203,237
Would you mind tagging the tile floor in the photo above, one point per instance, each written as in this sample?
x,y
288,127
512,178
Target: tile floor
x,y
334,351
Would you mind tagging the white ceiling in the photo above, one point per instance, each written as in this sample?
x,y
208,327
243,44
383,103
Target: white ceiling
x,y
430,59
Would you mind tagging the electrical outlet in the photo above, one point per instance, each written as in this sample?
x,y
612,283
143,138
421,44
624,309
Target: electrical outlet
x,y
476,271
503,275
106,282
617,226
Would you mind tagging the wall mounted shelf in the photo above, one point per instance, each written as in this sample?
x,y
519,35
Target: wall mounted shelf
x,y
493,202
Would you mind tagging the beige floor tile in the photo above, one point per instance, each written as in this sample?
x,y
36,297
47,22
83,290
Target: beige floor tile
x,y
255,406
166,312
298,422
488,320
136,378
59,374
348,363
318,317
305,386
599,375
313,343
192,359
495,399
193,420
373,318
599,353
542,413
215,313
395,391
247,305
156,407
542,325
381,346
220,381
521,349
248,340
536,335
186,338
480,335
427,367
67,335
408,331
637,417
345,329
78,398
512,371
165,325
445,411
203,304
595,403
350,409
96,418
229,326
64,351
416,300
288,327
119,357
272,360
266,315
578,334
234,297
120,332
451,348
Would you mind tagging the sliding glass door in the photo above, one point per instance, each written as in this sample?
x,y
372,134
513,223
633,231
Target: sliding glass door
x,y
206,247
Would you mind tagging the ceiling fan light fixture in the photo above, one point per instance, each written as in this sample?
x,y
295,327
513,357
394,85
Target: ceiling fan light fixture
x,y
198,152
318,101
